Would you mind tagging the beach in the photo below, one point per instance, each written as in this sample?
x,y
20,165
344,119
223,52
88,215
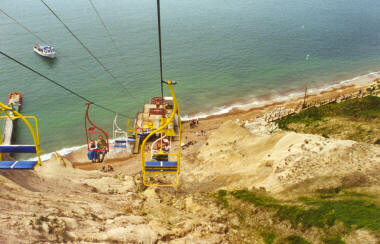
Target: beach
x,y
243,113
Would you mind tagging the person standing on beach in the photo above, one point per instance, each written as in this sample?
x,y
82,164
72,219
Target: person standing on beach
x,y
102,147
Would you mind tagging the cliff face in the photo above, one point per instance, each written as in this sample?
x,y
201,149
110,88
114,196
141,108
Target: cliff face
x,y
58,203
234,158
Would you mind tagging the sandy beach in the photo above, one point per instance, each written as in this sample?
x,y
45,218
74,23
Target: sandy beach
x,y
246,113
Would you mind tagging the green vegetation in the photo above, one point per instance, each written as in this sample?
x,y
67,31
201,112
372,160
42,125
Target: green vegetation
x,y
324,210
321,213
293,239
221,197
335,240
258,200
268,237
355,119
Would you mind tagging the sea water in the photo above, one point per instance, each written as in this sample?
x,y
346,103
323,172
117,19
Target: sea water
x,y
220,52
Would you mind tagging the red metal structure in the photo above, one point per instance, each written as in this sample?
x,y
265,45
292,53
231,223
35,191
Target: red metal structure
x,y
17,96
93,130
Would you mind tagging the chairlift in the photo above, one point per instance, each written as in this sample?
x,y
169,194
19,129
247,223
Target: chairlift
x,y
163,157
93,132
120,137
10,114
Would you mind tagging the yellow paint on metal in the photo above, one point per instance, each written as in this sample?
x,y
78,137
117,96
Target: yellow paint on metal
x,y
4,114
161,130
131,128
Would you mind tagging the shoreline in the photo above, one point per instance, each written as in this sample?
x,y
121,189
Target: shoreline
x,y
257,107
291,94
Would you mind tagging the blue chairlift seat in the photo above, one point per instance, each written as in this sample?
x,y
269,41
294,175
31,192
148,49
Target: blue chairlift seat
x,y
154,166
120,141
17,149
120,146
131,139
12,165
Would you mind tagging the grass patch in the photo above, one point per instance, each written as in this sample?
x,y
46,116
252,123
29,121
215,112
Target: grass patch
x,y
322,212
355,119
221,197
334,240
258,200
268,237
293,239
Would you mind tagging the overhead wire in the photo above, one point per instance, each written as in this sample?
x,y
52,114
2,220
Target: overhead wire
x,y
108,31
61,86
88,50
160,49
23,26
120,53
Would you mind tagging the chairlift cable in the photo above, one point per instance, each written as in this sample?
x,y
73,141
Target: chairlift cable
x,y
160,49
63,87
108,31
87,49
23,26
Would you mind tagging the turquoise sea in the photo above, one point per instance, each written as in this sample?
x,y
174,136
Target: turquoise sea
x,y
220,52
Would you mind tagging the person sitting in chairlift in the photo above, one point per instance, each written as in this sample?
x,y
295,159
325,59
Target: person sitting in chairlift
x,y
102,146
165,149
92,154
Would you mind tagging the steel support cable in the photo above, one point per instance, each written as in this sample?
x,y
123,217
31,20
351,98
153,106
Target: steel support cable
x,y
159,42
108,31
63,87
88,50
42,40
23,26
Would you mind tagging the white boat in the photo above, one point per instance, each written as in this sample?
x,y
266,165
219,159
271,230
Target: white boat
x,y
45,51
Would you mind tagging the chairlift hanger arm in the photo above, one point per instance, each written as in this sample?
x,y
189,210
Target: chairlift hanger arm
x,y
87,119
35,134
162,168
172,82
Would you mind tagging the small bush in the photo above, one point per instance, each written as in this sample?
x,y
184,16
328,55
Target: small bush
x,y
293,239
258,200
221,197
268,237
335,240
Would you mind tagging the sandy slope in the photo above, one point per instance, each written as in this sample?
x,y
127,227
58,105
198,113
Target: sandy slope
x,y
234,158
57,202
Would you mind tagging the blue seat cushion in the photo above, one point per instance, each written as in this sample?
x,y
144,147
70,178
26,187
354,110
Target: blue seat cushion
x,y
121,146
17,164
161,164
120,141
17,149
160,169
